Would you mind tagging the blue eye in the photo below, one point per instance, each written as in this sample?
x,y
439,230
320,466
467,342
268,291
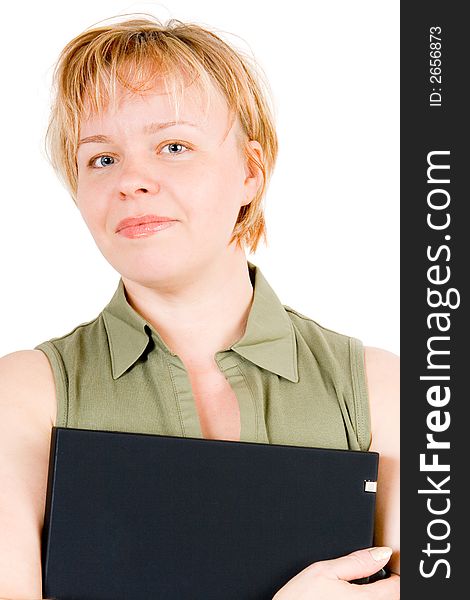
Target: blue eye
x,y
174,148
102,161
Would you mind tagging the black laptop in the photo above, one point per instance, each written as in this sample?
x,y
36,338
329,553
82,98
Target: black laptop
x,y
137,516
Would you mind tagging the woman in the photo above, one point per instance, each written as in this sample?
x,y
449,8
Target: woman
x,y
164,137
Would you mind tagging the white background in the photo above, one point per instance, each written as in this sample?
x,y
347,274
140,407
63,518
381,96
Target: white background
x,y
332,207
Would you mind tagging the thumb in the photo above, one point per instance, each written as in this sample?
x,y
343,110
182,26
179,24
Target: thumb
x,y
357,564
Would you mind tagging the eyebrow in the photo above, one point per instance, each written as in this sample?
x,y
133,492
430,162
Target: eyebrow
x,y
148,129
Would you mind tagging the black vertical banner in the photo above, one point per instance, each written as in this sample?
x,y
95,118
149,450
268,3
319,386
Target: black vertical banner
x,y
435,232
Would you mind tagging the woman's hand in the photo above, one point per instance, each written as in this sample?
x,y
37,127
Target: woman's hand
x,y
328,579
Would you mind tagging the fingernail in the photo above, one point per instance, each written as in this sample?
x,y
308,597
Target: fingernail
x,y
381,553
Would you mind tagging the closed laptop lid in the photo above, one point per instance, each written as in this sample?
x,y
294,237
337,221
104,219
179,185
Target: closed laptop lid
x,y
139,516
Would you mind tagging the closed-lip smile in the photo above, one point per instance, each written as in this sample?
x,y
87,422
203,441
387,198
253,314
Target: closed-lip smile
x,y
143,226
142,220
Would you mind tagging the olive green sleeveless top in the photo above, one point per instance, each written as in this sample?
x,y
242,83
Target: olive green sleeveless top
x,y
296,382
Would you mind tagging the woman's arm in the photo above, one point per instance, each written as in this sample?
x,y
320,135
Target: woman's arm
x,y
383,381
27,401
329,579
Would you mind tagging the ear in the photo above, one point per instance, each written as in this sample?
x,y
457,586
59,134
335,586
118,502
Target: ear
x,y
253,174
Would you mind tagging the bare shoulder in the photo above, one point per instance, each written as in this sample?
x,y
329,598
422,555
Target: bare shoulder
x,y
381,365
383,384
383,377
26,377
27,413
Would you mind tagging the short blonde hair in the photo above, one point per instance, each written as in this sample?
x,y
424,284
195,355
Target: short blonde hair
x,y
133,52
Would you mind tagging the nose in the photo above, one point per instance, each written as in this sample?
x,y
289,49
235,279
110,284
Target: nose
x,y
138,179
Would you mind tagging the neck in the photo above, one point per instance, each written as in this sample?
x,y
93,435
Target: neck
x,y
201,316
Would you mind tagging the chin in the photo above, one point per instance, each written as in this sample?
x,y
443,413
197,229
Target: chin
x,y
151,271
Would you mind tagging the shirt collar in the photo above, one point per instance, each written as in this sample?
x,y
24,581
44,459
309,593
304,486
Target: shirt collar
x,y
269,339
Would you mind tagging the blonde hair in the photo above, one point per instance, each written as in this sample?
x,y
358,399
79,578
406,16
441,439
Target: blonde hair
x,y
133,53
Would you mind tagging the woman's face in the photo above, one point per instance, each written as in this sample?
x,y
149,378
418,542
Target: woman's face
x,y
138,161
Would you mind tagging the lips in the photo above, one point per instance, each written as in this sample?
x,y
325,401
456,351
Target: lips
x,y
143,220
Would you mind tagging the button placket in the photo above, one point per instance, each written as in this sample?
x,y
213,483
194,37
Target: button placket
x,y
190,424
